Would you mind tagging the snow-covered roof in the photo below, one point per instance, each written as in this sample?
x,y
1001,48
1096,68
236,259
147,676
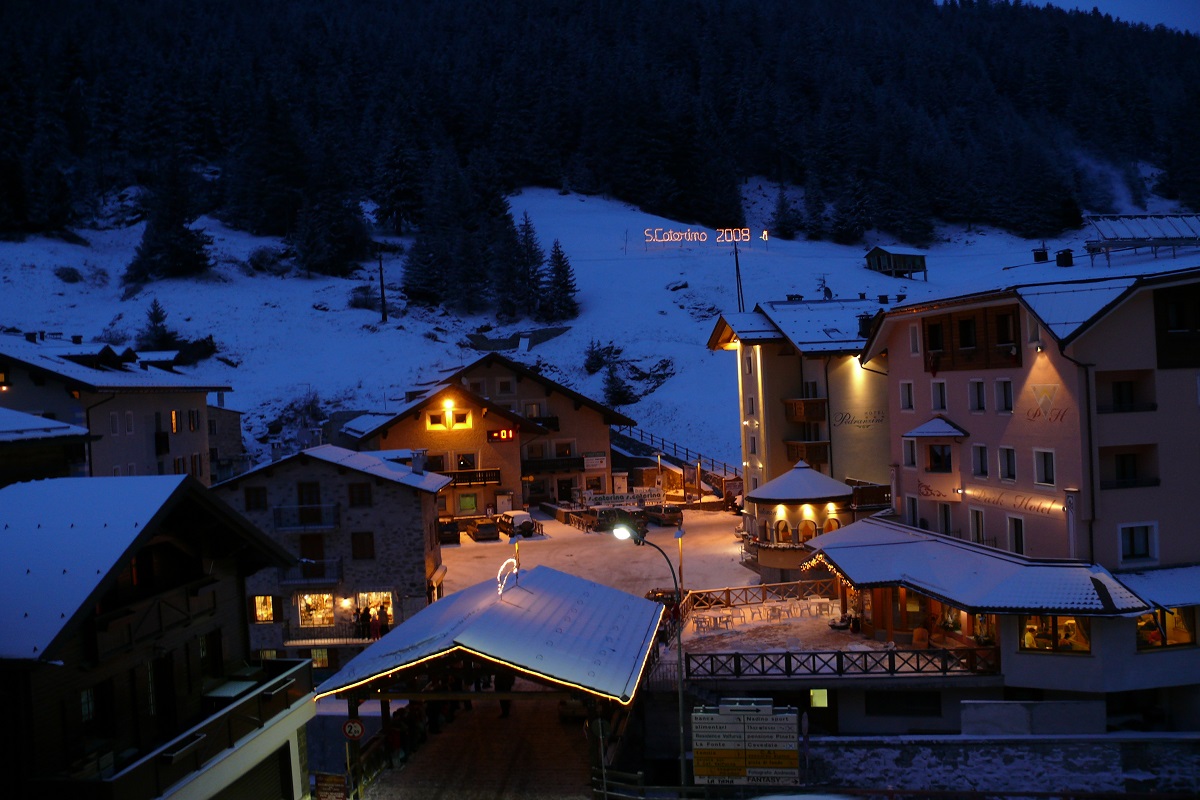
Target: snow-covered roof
x,y
936,427
747,326
875,552
1066,307
61,539
1169,587
17,426
101,379
370,463
820,326
365,423
553,625
800,484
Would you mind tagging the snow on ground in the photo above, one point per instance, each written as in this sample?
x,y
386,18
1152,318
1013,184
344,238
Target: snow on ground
x,y
284,338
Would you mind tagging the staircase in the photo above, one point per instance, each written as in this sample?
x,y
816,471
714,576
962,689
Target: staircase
x,y
641,443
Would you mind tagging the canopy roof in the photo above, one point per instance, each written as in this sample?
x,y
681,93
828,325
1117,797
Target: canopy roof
x,y
557,627
800,484
874,552
937,427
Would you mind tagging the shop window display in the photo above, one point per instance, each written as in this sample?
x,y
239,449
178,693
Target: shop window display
x,y
316,610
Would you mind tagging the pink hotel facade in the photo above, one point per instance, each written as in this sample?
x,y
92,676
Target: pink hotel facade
x,y
1060,421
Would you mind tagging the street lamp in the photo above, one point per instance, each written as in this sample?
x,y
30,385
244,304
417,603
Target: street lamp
x,y
624,531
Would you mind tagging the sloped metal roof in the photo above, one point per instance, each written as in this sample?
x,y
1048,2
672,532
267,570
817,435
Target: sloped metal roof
x,y
800,484
1168,587
874,552
555,626
937,427
1146,229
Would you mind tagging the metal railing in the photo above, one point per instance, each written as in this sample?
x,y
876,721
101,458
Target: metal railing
x,y
679,453
312,573
289,683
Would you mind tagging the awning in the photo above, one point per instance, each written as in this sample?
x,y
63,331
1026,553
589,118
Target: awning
x,y
551,625
938,426
1170,587
874,553
438,576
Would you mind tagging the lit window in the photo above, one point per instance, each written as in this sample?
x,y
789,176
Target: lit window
x,y
1055,634
468,504
1166,627
316,610
174,421
320,657
264,608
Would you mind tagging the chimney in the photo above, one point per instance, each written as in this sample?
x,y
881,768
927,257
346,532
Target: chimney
x,y
77,338
418,462
862,295
31,337
900,298
864,325
883,299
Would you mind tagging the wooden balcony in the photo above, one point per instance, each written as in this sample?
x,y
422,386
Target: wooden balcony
x,y
813,453
307,518
808,409
125,628
287,684
473,477
836,663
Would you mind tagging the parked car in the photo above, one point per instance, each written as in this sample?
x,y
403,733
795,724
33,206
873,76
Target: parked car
x,y
605,518
515,523
448,531
483,529
671,516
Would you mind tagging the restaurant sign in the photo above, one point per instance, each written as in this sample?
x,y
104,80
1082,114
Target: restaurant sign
x,y
746,741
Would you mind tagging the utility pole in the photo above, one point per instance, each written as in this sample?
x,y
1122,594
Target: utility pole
x,y
737,271
382,295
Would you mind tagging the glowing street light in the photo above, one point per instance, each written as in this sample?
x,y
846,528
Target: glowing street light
x,y
624,531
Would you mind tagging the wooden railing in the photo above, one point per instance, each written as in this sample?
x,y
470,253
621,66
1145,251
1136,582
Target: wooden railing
x,y
732,597
830,663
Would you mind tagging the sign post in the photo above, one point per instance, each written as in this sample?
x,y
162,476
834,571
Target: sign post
x,y
745,741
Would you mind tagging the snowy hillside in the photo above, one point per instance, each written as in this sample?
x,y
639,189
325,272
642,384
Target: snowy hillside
x,y
282,339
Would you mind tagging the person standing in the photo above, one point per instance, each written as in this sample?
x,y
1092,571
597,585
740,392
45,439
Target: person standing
x,y
374,624
385,624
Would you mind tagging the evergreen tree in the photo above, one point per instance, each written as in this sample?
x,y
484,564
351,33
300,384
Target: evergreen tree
x,y
558,297
783,220
331,237
531,259
169,248
264,185
156,335
617,391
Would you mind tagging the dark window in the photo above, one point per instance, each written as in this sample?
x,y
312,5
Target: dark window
x,y
1135,541
360,495
966,333
939,458
435,463
362,545
466,461
1126,467
1123,396
1006,329
933,337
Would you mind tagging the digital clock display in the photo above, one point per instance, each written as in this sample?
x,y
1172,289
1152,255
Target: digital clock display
x,y
502,435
